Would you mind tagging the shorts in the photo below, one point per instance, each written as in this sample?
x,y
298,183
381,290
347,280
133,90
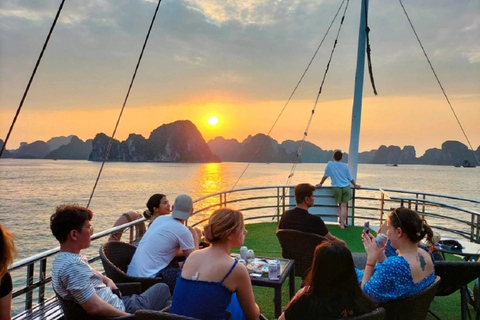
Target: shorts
x,y
342,195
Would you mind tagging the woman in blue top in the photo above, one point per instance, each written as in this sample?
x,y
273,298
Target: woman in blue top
x,y
406,274
210,276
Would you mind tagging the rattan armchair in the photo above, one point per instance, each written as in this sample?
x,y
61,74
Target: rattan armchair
x,y
74,311
377,314
299,246
456,275
159,315
116,257
412,308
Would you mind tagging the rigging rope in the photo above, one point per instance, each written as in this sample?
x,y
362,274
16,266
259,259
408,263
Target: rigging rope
x,y
299,152
31,78
369,59
291,96
107,152
438,81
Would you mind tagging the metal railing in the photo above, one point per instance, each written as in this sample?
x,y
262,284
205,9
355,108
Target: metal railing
x,y
444,213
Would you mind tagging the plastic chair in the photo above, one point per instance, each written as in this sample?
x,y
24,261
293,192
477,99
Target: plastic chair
x,y
299,246
414,307
116,257
74,311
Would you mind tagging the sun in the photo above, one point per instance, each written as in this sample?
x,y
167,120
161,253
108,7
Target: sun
x,y
213,120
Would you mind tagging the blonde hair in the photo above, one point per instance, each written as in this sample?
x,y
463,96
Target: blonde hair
x,y
7,250
222,223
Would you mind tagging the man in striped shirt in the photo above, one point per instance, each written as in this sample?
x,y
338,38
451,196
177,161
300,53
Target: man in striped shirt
x,y
74,279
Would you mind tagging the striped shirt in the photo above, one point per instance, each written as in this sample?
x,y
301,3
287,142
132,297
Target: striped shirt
x,y
74,279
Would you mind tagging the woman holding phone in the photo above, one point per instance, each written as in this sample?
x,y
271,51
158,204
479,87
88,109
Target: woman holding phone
x,y
405,274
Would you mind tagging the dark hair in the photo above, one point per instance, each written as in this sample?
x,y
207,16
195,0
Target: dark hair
x,y
412,225
337,155
302,191
68,217
332,279
222,223
153,202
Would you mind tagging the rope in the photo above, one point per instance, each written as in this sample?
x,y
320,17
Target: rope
x,y
439,83
290,97
305,134
369,59
107,152
31,77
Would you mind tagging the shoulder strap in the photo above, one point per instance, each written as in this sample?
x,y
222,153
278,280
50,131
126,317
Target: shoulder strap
x,y
126,215
229,271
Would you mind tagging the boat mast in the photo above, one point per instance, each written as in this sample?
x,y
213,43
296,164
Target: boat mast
x,y
357,97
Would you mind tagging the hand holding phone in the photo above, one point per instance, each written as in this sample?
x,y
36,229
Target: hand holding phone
x,y
366,227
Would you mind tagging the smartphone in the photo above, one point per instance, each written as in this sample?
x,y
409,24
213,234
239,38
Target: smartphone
x,y
366,227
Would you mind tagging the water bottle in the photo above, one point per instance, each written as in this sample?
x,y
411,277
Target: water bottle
x,y
381,240
279,268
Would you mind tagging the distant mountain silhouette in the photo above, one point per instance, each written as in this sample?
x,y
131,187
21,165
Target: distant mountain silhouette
x,y
181,141
57,142
452,152
6,153
76,149
34,150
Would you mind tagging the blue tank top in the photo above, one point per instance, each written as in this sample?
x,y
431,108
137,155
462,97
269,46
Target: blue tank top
x,y
201,299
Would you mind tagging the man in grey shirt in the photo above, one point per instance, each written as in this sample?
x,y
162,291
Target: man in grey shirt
x,y
74,279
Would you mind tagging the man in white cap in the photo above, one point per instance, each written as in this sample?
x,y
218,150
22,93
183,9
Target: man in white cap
x,y
166,238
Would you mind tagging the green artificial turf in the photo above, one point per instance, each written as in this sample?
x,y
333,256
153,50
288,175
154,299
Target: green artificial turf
x,y
261,238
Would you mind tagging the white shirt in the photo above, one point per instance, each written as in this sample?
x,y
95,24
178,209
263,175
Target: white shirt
x,y
338,173
159,246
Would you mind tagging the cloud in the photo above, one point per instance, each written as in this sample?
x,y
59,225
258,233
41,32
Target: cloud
x,y
243,50
250,12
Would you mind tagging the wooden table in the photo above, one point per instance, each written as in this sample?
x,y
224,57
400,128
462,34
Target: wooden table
x,y
288,270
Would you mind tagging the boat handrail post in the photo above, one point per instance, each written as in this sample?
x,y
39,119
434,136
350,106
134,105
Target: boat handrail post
x,y
358,92
278,203
353,207
29,294
41,277
382,206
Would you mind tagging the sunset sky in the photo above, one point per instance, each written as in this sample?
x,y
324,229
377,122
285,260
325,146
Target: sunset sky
x,y
239,60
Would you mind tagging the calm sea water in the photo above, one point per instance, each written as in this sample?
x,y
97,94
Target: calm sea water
x,y
31,189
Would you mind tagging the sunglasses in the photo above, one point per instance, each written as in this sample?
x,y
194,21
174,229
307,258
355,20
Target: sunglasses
x,y
398,218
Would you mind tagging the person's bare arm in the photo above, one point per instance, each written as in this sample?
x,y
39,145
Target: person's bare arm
x,y
321,182
6,307
196,234
96,306
356,186
331,237
107,281
245,293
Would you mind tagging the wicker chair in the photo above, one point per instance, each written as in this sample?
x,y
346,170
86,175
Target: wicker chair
x,y
456,275
377,314
74,311
159,315
299,246
116,257
412,308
